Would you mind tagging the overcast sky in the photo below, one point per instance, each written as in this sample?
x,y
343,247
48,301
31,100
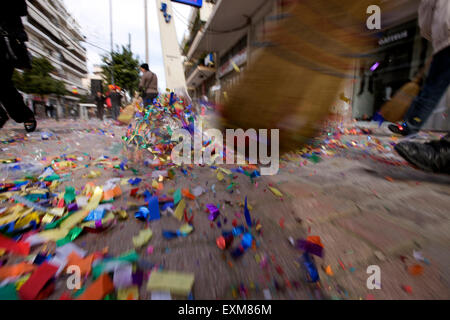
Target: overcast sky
x,y
128,17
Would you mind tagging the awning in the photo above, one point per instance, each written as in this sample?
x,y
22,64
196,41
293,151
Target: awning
x,y
228,24
199,75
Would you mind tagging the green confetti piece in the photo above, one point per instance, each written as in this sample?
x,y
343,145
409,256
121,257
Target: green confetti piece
x,y
73,234
129,257
177,196
69,195
52,177
8,292
79,292
55,224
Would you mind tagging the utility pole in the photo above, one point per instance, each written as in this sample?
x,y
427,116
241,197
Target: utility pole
x,y
146,32
112,43
129,41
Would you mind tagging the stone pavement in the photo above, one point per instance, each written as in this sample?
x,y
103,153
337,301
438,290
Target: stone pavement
x,y
365,211
369,213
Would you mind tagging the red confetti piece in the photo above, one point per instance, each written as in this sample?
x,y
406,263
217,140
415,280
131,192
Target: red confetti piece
x,y
30,290
407,289
19,247
281,222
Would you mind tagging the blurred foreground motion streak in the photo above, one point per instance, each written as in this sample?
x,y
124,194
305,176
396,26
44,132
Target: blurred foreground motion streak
x,y
309,55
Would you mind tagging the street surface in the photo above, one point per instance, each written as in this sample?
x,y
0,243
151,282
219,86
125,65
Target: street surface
x,y
364,202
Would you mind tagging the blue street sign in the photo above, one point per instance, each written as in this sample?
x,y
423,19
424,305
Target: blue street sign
x,y
195,3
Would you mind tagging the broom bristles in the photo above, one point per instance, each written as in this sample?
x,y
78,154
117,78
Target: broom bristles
x,y
395,109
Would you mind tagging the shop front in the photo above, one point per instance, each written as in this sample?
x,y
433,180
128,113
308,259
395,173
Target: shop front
x,y
402,52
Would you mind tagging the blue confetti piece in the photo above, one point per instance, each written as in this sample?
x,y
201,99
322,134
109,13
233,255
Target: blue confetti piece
x,y
248,219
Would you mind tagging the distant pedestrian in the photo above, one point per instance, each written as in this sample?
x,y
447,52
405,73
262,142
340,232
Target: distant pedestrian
x,y
13,54
116,102
100,102
50,110
148,85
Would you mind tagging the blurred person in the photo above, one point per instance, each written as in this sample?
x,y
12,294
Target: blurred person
x,y
434,21
100,102
148,85
116,102
49,109
13,54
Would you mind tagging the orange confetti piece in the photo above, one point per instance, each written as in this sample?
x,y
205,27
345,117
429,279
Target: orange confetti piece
x,y
328,271
85,264
187,194
389,179
99,289
315,240
16,270
415,270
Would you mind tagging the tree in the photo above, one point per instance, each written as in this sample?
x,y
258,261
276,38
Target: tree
x,y
38,80
125,68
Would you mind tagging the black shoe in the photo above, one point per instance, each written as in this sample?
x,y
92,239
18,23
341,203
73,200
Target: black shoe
x,y
399,129
30,125
432,156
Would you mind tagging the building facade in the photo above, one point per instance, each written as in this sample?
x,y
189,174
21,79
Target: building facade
x,y
53,33
221,45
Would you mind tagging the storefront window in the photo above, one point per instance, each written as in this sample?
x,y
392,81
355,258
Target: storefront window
x,y
401,53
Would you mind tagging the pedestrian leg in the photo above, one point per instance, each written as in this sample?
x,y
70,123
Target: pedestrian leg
x,y
435,86
11,99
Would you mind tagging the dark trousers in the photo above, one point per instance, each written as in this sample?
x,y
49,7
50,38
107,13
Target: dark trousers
x,y
115,111
11,99
148,98
100,112
435,86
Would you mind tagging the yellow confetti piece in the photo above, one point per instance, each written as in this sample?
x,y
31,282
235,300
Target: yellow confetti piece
x,y
155,184
2,252
276,192
236,68
48,218
74,219
22,222
142,238
226,171
57,211
93,175
186,228
131,293
179,211
54,185
174,282
22,281
122,214
220,176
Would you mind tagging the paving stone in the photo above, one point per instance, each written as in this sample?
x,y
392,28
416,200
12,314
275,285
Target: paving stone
x,y
378,231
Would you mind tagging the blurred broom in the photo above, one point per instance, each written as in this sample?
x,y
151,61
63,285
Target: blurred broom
x,y
295,79
395,109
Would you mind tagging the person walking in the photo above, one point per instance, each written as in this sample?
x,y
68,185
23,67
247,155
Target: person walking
x,y
116,102
14,54
148,85
100,102
434,21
